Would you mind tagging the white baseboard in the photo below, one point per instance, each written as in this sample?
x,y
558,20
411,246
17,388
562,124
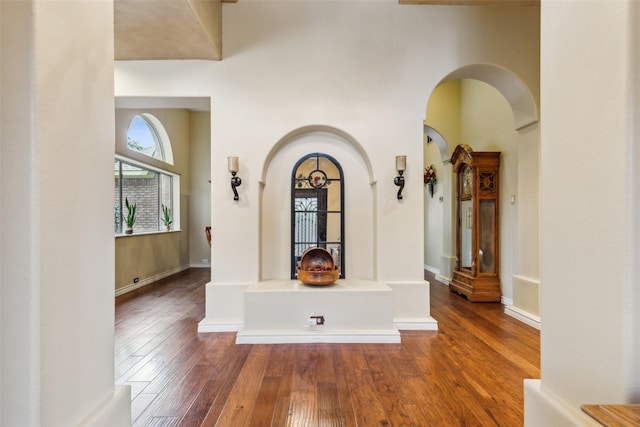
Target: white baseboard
x,y
207,325
443,279
247,336
149,280
523,316
506,301
542,409
199,265
422,324
431,269
116,411
439,277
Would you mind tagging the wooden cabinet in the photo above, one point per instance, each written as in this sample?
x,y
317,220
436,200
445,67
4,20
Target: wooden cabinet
x,y
477,241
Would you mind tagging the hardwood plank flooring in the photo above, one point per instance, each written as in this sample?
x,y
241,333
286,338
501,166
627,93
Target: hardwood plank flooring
x,y
468,373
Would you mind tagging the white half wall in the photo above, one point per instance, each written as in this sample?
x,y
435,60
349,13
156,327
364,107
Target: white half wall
x,y
276,311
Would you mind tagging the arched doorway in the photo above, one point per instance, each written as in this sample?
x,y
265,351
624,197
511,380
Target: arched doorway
x,y
490,109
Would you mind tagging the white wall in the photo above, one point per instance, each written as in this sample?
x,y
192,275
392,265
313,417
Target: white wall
x,y
526,266
200,188
589,342
443,114
433,208
322,72
57,326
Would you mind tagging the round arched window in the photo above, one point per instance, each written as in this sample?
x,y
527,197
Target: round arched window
x,y
147,136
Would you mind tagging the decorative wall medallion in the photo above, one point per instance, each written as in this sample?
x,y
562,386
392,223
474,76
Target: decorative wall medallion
x,y
317,179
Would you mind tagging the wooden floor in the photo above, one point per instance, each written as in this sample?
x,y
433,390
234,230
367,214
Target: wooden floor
x,y
468,373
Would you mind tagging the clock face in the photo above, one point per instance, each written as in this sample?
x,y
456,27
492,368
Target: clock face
x,y
467,180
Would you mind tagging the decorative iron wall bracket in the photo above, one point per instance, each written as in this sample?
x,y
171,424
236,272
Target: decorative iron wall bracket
x,y
399,181
235,182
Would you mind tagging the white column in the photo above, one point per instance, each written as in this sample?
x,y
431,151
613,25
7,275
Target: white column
x,y
589,240
57,248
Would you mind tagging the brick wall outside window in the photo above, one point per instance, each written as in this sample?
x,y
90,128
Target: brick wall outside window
x,y
144,192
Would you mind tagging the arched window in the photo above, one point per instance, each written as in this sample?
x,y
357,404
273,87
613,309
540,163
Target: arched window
x,y
152,190
317,208
146,135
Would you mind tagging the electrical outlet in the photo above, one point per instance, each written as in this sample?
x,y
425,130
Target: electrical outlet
x,y
316,320
205,261
136,279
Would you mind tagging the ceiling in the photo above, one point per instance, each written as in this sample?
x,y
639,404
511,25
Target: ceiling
x,y
168,29
189,103
474,2
192,29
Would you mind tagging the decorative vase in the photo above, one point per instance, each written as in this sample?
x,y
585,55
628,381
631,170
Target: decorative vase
x,y
167,228
430,185
129,230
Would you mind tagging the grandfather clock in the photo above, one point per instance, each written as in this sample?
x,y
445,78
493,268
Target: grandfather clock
x,y
477,241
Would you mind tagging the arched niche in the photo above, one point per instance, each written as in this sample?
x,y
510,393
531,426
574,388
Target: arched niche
x,y
307,130
275,203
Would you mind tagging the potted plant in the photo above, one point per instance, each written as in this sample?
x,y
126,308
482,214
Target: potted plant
x,y
166,217
131,216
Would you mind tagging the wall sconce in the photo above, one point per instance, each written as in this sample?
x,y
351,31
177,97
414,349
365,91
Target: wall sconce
x,y
235,180
401,165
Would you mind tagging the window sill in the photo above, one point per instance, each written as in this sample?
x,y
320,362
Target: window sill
x,y
146,233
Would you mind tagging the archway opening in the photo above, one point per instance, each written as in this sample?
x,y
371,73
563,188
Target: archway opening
x,y
490,109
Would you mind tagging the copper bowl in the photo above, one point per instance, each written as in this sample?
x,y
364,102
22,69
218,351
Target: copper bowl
x,y
317,268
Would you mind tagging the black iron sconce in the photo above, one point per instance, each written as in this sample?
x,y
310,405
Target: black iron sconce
x,y
235,180
401,165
